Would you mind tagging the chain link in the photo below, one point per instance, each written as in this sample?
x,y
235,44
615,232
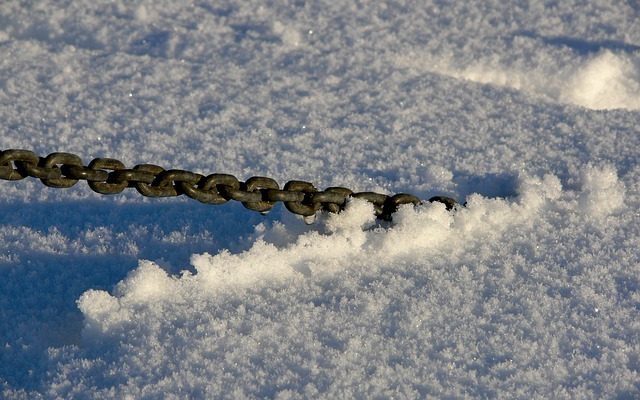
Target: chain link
x,y
110,176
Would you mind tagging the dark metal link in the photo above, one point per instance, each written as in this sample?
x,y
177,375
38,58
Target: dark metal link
x,y
404,198
10,160
333,199
36,171
302,207
372,197
108,185
377,199
79,172
285,195
254,184
110,176
28,164
328,198
131,177
154,188
177,178
208,190
53,162
448,202
239,194
395,201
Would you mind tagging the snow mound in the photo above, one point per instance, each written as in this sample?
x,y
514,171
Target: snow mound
x,y
604,81
275,260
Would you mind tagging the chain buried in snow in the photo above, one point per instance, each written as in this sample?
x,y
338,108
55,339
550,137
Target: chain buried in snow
x,y
110,176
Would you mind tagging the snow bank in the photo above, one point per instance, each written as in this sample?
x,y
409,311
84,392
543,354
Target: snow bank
x,y
214,332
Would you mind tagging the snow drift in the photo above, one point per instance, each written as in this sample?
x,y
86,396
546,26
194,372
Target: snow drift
x,y
453,270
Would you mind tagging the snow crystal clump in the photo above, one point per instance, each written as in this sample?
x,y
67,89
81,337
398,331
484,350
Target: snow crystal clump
x,y
602,192
147,283
143,286
103,314
606,81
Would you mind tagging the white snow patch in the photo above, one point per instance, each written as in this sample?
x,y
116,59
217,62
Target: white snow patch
x,y
145,286
102,313
602,192
604,81
147,283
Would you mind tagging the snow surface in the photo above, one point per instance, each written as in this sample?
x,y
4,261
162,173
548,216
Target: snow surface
x,y
528,111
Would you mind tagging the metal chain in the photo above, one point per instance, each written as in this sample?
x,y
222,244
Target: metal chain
x,y
110,176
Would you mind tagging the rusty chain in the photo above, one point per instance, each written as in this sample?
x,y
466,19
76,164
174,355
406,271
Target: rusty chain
x,y
110,176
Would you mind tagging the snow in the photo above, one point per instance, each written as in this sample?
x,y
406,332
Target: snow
x,y
526,111
604,81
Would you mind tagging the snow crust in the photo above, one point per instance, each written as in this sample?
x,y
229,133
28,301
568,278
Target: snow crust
x,y
526,111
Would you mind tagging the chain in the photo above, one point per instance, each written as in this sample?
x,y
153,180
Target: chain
x,y
110,176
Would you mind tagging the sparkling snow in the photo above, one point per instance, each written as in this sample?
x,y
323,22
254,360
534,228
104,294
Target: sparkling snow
x,y
528,111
